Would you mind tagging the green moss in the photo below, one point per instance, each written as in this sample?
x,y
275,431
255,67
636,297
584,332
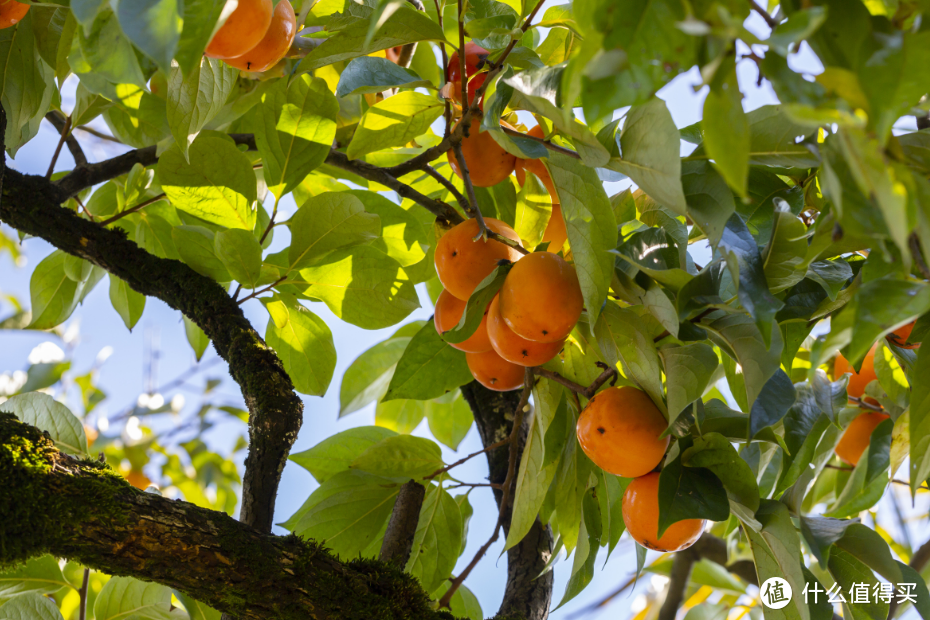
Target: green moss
x,y
37,509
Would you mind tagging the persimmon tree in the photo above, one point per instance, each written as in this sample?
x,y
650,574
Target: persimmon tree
x,y
740,329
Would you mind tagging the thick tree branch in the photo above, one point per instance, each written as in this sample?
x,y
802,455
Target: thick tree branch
x,y
81,510
31,204
402,526
529,590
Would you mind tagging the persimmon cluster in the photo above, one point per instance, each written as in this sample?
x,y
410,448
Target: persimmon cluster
x,y
255,36
488,162
858,434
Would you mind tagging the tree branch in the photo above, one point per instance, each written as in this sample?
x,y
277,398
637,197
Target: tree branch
x,y
608,374
765,15
528,592
64,128
82,510
402,526
32,205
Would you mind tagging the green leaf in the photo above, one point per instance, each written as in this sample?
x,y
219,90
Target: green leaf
x,y
710,201
438,538
821,532
128,303
773,139
407,25
27,84
773,402
799,26
464,603
86,11
123,596
686,493
53,294
196,338
428,368
920,422
30,606
394,122
366,380
651,154
47,414
347,511
295,126
832,275
401,456
195,609
403,233
368,75
197,248
477,305
804,426
303,342
737,333
241,254
328,222
217,185
105,51
195,97
362,286
847,570
200,18
713,451
40,575
589,222
537,469
401,416
589,541
688,371
726,128
894,76
776,549
866,485
153,27
335,453
784,255
534,208
623,337
450,418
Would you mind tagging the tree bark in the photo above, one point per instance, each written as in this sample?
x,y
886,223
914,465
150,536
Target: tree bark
x,y
402,527
81,510
529,592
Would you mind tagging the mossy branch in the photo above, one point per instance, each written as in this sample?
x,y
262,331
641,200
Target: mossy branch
x,y
82,510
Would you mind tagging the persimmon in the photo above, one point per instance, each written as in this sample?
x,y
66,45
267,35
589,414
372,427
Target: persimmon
x,y
11,12
274,44
138,479
393,53
858,380
448,313
488,163
555,233
462,263
857,436
475,59
541,298
620,430
641,516
899,336
494,372
243,30
512,347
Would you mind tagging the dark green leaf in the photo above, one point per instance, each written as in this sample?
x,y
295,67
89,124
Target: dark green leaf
x,y
428,368
686,493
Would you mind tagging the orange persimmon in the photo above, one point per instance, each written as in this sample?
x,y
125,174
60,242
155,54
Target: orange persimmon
x,y
641,516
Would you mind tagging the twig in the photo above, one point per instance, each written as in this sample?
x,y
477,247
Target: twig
x,y
893,480
259,291
866,405
463,202
99,134
82,608
473,211
402,526
274,214
609,374
917,252
77,153
473,485
84,209
493,446
507,485
138,207
61,142
765,15
447,112
549,144
176,382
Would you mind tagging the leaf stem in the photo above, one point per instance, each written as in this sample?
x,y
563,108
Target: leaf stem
x,y
258,292
82,608
130,210
522,409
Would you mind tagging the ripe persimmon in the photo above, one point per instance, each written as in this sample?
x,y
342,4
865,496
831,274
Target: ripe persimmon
x,y
899,336
541,298
274,44
462,263
620,431
857,435
858,380
243,30
138,479
555,234
494,372
448,312
475,58
641,516
512,347
11,12
393,53
488,163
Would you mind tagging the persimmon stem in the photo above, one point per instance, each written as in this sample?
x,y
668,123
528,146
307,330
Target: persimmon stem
x,y
507,487
608,374
866,405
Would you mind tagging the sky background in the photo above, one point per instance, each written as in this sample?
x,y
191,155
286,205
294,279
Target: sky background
x,y
123,375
